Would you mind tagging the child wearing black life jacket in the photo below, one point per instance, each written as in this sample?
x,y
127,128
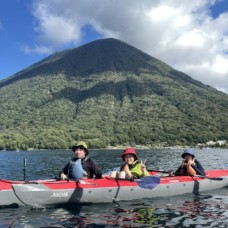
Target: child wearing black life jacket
x,y
190,165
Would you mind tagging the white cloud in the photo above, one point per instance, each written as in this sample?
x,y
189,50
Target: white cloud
x,y
180,33
54,28
41,49
193,38
220,64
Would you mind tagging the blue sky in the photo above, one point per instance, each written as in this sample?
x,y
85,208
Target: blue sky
x,y
191,36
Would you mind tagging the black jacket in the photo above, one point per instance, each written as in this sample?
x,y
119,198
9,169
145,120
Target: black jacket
x,y
197,167
88,165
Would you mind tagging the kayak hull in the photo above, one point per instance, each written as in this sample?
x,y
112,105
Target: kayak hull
x,y
7,196
52,192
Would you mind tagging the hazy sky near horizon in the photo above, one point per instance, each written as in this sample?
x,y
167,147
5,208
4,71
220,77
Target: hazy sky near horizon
x,y
191,36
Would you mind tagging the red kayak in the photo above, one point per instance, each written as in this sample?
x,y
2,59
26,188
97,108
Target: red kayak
x,y
7,196
54,192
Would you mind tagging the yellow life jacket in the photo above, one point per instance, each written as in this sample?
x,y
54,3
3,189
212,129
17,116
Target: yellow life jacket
x,y
135,169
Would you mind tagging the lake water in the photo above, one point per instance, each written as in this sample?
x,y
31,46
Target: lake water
x,y
209,209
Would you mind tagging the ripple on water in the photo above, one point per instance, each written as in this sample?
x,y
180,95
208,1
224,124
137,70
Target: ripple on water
x,y
209,209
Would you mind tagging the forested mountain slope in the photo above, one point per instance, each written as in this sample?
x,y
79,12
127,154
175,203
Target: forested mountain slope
x,y
108,93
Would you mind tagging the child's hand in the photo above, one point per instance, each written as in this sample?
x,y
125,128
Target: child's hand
x,y
143,166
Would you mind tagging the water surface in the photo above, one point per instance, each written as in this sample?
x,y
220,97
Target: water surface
x,y
209,209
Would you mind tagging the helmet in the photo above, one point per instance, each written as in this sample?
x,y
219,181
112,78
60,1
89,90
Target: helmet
x,y
129,150
188,151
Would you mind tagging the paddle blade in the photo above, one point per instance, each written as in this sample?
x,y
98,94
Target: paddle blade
x,y
148,182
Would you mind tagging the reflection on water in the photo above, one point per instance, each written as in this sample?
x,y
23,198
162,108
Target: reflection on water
x,y
205,210
208,209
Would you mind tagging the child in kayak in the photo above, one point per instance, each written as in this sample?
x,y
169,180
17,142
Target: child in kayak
x,y
190,166
132,169
81,166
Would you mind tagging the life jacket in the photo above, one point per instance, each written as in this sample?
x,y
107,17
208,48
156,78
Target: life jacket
x,y
135,169
76,170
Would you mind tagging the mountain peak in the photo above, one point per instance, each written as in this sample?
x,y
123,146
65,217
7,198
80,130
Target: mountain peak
x,y
104,55
101,56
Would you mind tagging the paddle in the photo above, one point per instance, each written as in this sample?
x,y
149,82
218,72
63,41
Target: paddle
x,y
160,171
210,178
24,169
148,182
206,177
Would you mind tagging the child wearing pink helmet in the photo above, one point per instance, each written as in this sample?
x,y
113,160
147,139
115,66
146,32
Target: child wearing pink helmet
x,y
132,168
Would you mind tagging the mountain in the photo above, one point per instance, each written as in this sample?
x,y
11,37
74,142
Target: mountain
x,y
108,93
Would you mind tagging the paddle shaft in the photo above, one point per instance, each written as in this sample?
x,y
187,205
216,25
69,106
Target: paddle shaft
x,y
160,171
24,169
210,178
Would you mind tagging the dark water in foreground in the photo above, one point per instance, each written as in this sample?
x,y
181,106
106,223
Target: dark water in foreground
x,y
209,209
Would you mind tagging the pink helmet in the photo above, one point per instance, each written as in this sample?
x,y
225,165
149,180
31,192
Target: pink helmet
x,y
129,150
